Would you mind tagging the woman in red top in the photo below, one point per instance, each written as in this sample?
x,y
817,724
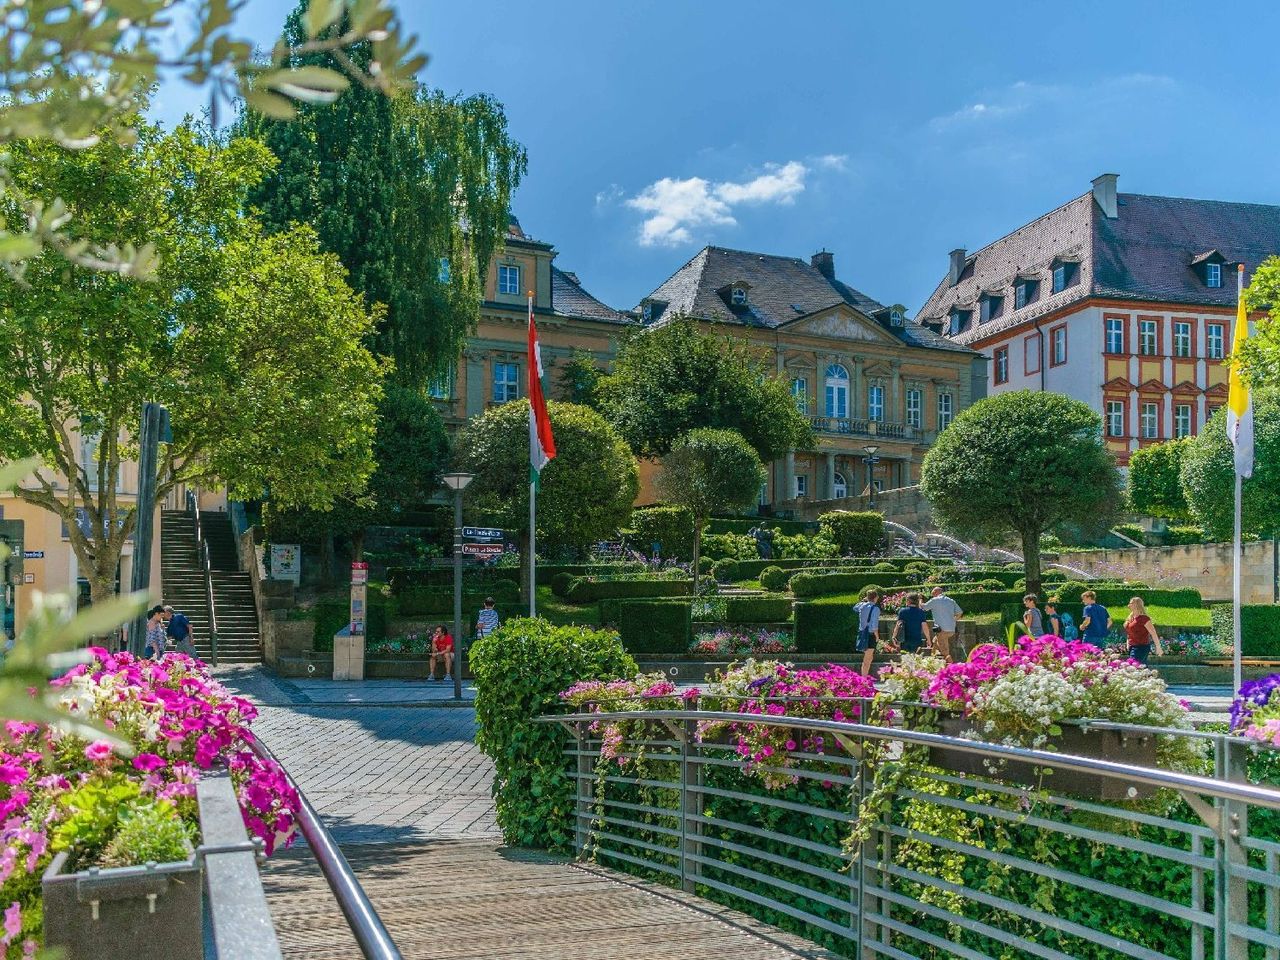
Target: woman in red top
x,y
1141,632
441,649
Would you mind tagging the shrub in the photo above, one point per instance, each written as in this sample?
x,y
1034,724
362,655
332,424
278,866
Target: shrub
x,y
725,571
520,670
774,578
817,584
1117,596
1259,628
1070,591
1053,576
669,527
404,578
919,568
1179,536
991,584
886,566
757,609
546,572
655,626
560,583
827,626
987,601
729,546
583,591
743,524
801,547
429,601
1132,531
853,532
333,615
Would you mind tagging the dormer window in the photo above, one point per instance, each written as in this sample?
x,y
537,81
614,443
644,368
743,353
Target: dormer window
x,y
1024,292
646,312
738,296
989,307
1209,266
1213,274
959,320
895,318
1064,274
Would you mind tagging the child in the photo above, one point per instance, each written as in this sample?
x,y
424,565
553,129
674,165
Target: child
x,y
441,649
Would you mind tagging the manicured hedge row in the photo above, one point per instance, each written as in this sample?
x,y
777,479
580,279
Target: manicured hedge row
x,y
427,601
546,571
818,584
405,578
655,626
757,609
826,626
744,524
750,569
333,615
589,591
988,601
1259,628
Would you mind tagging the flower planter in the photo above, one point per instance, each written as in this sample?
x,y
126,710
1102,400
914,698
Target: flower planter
x,y
138,913
1097,744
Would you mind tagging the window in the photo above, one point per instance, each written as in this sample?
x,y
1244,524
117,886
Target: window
x,y
763,499
915,408
895,318
1182,420
1024,292
441,387
838,487
1059,278
1115,335
738,297
875,403
959,320
1148,337
946,412
646,312
1213,274
1031,354
1002,364
800,391
802,485
990,308
506,382
509,279
837,391
443,273
1115,418
1058,346
1181,338
1209,411
1150,421
1213,341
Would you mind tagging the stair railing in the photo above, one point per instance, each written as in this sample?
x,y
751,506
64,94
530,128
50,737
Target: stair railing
x,y
206,567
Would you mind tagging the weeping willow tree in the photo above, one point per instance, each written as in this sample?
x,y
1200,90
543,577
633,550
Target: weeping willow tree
x,y
412,192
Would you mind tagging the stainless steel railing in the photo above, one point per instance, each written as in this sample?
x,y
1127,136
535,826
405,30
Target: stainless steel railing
x,y
689,812
366,926
206,567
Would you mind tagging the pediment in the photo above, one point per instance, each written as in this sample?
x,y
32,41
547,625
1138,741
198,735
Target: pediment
x,y
1186,389
1152,386
841,323
1217,390
1118,383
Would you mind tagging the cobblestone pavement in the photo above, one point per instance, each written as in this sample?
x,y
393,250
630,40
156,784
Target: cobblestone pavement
x,y
377,772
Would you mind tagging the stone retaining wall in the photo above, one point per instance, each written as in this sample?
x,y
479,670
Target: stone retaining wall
x,y
1204,566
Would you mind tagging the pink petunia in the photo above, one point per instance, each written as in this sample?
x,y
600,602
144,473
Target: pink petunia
x,y
147,762
12,922
98,751
13,774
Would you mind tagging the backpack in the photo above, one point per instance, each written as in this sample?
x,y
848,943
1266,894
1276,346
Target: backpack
x,y
1069,631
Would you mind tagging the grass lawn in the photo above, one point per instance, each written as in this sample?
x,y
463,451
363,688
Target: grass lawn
x,y
1168,616
560,613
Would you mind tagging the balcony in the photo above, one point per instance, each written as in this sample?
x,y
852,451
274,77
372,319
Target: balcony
x,y
850,426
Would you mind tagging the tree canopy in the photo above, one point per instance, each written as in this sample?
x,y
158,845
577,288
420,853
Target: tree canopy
x,y
254,343
1260,360
1155,480
671,379
1017,465
1208,473
708,469
412,192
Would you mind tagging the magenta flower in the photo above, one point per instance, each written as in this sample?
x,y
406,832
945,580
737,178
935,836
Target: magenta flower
x,y
98,751
12,922
13,774
148,762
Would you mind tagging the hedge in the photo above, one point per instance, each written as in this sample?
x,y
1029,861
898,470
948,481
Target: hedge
x,y
669,527
989,601
333,615
853,532
404,578
775,578
817,584
826,626
655,626
744,524
420,601
1259,628
583,591
546,572
750,569
757,609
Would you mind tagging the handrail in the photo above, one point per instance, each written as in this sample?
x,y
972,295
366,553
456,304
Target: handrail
x,y
366,926
206,567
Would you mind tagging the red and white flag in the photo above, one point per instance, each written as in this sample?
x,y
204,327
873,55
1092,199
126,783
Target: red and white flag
x,y
542,445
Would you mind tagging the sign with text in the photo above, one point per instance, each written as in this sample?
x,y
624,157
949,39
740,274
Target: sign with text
x,y
33,554
359,572
359,599
482,549
482,533
286,562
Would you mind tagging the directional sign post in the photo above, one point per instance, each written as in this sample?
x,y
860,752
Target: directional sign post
x,y
482,549
483,533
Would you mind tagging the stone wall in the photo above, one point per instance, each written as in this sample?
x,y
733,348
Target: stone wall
x,y
1205,566
905,505
280,636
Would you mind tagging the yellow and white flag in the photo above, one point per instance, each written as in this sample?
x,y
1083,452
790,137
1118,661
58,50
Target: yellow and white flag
x,y
1239,402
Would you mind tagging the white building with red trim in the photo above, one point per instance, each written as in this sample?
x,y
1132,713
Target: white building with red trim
x,y
1124,301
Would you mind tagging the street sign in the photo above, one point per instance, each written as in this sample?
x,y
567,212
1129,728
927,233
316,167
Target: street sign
x,y
33,554
482,549
482,533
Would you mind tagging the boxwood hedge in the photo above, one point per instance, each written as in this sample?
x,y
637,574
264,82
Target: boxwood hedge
x,y
589,591
1259,628
757,609
655,626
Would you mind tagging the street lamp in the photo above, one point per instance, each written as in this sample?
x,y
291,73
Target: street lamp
x,y
457,482
871,460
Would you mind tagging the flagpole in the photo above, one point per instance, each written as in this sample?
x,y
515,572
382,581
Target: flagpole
x,y
1237,545
533,493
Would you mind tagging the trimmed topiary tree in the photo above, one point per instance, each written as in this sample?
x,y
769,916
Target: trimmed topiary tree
x,y
855,533
671,528
1155,480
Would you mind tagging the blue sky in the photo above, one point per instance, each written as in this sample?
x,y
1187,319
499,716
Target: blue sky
x,y
887,133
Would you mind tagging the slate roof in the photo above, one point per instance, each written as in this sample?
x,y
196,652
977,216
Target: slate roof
x,y
569,299
1149,251
780,290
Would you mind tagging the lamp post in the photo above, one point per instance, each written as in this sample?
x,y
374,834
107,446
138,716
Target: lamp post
x,y
871,460
457,482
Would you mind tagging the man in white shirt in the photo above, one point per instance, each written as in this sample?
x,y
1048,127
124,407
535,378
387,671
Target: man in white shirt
x,y
945,613
868,612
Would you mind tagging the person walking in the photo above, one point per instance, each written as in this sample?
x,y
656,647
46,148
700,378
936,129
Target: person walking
x,y
154,645
1140,632
912,626
1095,622
178,629
868,611
766,542
487,620
442,650
1031,616
946,612
1061,623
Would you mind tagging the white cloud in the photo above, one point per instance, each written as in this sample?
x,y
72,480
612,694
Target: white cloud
x,y
609,195
1021,97
832,161
674,207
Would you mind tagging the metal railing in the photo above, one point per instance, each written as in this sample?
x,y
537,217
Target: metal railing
x,y
863,427
206,568
366,926
950,864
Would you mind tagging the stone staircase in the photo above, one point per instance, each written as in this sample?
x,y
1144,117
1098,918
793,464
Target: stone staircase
x,y
183,585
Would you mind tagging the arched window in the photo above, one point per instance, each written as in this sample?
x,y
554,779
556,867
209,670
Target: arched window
x,y
838,487
837,384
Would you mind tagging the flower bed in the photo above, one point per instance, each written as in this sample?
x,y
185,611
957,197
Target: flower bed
x,y
750,643
1255,712
130,800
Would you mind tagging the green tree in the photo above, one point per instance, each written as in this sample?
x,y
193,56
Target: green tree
x,y
1260,360
671,379
579,379
254,343
585,493
1018,465
709,469
1208,473
1155,480
412,192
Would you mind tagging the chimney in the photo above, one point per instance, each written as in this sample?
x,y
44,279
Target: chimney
x,y
1104,191
824,263
957,265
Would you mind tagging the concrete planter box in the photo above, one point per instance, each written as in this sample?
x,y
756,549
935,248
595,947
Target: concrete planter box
x,y
1096,744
